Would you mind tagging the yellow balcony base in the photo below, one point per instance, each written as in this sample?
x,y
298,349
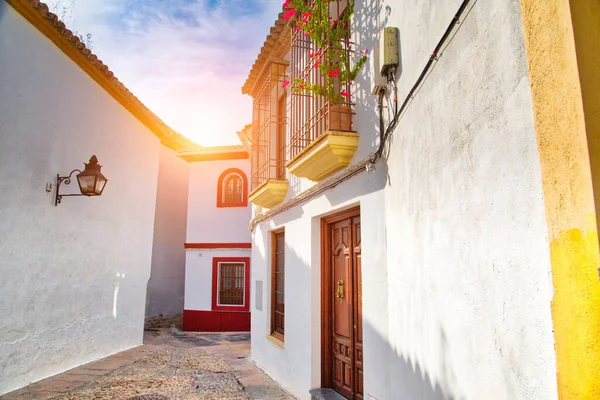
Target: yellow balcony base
x,y
331,152
270,193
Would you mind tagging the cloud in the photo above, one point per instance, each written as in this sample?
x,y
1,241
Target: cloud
x,y
185,59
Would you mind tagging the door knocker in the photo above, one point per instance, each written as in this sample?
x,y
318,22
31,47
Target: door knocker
x,y
340,290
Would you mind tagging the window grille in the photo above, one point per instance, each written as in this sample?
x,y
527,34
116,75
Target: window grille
x,y
233,189
231,284
267,122
313,115
281,140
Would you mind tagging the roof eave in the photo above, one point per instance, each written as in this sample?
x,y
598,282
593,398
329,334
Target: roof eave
x,y
275,47
39,15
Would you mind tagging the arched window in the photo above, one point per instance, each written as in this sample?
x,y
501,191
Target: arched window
x,y
233,189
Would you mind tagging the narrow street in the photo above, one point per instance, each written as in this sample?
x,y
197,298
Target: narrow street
x,y
171,365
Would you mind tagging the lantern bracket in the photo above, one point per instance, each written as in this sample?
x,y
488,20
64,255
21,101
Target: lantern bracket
x,y
91,181
67,181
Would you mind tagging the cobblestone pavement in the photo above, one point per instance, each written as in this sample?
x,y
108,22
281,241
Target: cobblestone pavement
x,y
171,365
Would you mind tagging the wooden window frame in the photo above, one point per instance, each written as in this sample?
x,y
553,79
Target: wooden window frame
x,y
281,136
221,190
274,235
265,121
215,284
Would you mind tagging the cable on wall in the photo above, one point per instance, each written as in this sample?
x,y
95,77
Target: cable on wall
x,y
367,164
385,134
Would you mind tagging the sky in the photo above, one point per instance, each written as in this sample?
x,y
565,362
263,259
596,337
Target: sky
x,y
186,60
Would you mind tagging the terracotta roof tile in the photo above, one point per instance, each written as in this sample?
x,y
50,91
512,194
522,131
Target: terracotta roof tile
x,y
245,136
276,46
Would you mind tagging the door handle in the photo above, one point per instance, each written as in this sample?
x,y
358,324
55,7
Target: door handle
x,y
340,290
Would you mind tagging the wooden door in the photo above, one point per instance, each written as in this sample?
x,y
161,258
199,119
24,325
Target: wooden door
x,y
342,298
357,309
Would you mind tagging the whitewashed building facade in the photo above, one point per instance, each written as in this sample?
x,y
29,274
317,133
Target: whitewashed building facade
x,y
75,275
217,246
425,273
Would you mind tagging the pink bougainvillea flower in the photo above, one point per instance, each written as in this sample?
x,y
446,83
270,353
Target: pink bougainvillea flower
x,y
317,54
301,86
366,51
334,73
289,14
305,33
285,84
307,15
286,4
298,27
345,94
344,24
317,64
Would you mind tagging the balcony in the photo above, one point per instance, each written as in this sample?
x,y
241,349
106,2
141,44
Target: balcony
x,y
269,193
325,142
322,138
331,152
268,143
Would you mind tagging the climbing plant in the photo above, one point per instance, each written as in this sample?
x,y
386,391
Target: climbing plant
x,y
330,34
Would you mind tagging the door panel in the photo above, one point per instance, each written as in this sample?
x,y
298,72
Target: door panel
x,y
357,282
344,295
342,308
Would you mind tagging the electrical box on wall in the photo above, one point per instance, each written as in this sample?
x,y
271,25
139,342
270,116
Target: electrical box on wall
x,y
378,81
388,50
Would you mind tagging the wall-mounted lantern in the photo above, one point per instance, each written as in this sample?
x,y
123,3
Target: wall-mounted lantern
x,y
91,181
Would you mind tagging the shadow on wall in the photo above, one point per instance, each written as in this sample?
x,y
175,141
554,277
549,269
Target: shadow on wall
x,y
369,20
365,14
408,379
371,182
292,214
295,186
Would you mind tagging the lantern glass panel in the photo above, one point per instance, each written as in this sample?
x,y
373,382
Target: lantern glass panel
x,y
86,183
100,184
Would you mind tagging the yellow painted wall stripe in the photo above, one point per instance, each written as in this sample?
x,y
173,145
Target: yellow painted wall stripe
x,y
558,36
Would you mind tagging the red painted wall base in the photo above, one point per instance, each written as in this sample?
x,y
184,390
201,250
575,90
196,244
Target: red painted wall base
x,y
216,321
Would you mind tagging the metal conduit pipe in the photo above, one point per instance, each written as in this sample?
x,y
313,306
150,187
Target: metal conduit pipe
x,y
312,192
391,77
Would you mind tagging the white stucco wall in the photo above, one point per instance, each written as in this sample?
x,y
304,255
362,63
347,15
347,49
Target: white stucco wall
x,y
166,284
74,277
208,223
199,275
456,272
468,264
297,366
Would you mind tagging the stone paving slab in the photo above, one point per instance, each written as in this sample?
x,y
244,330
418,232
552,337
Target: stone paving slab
x,y
170,365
